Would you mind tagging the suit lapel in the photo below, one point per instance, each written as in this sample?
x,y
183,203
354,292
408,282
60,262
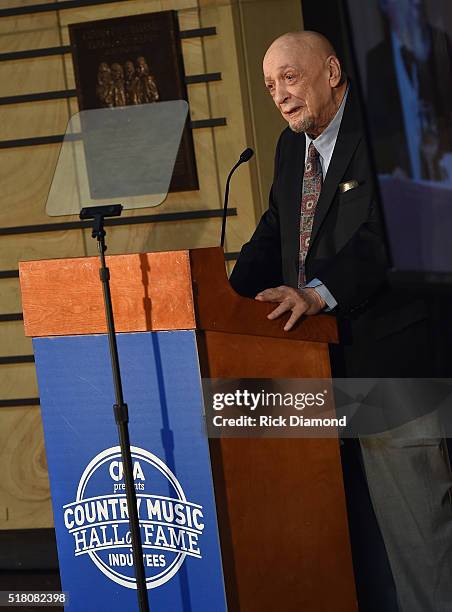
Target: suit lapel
x,y
346,143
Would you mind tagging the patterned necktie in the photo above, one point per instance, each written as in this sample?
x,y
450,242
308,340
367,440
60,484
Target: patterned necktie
x,y
312,185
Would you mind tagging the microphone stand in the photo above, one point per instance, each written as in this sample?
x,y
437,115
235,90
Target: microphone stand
x,y
97,214
244,157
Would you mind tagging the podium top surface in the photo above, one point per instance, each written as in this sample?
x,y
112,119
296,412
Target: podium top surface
x,y
150,292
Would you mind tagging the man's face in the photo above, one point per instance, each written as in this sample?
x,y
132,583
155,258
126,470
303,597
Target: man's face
x,y
116,71
299,83
142,66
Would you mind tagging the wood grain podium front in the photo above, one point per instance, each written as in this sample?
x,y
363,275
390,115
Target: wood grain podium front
x,y
280,502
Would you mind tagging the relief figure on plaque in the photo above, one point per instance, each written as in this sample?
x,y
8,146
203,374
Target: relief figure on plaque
x,y
148,91
104,89
131,84
117,76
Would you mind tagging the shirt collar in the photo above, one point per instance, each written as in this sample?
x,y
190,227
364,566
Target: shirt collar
x,y
327,139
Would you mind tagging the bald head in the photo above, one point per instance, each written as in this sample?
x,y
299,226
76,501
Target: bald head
x,y
304,77
306,43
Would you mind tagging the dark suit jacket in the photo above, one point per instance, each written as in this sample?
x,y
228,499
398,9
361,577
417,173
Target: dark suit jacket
x,y
347,253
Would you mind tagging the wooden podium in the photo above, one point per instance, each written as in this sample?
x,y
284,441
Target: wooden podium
x,y
280,502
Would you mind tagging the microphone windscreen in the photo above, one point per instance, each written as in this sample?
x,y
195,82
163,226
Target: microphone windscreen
x,y
246,155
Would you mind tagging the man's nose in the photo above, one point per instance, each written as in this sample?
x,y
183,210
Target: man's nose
x,y
281,94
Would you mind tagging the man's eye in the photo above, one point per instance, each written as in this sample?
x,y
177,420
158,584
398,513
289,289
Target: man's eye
x,y
290,77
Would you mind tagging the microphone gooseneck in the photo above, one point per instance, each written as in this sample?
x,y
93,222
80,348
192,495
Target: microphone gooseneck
x,y
244,157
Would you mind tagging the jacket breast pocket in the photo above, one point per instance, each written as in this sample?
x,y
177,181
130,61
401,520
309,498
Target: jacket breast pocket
x,y
361,191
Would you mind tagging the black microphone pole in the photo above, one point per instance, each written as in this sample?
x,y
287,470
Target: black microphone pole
x,y
97,214
244,157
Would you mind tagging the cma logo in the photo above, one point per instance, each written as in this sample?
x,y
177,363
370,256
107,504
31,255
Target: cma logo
x,y
116,471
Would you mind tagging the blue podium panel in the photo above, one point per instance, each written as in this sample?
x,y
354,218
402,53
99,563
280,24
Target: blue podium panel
x,y
172,474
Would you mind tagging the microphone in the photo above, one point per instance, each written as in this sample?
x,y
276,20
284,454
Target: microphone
x,y
244,157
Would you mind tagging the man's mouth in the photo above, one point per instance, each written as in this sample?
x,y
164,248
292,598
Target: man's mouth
x,y
292,111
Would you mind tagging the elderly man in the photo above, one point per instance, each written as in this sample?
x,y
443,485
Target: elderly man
x,y
320,247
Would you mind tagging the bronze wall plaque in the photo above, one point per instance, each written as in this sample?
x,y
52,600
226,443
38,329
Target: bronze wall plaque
x,y
134,60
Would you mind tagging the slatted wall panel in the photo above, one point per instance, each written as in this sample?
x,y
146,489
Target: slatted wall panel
x,y
36,100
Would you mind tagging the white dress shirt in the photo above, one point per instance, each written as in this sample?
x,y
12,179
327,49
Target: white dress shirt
x,y
326,142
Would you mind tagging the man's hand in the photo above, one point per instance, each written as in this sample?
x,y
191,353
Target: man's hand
x,y
299,301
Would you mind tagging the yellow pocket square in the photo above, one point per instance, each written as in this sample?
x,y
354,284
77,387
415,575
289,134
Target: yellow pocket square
x,y
343,187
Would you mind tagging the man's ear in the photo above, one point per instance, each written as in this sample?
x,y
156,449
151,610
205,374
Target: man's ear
x,y
335,69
